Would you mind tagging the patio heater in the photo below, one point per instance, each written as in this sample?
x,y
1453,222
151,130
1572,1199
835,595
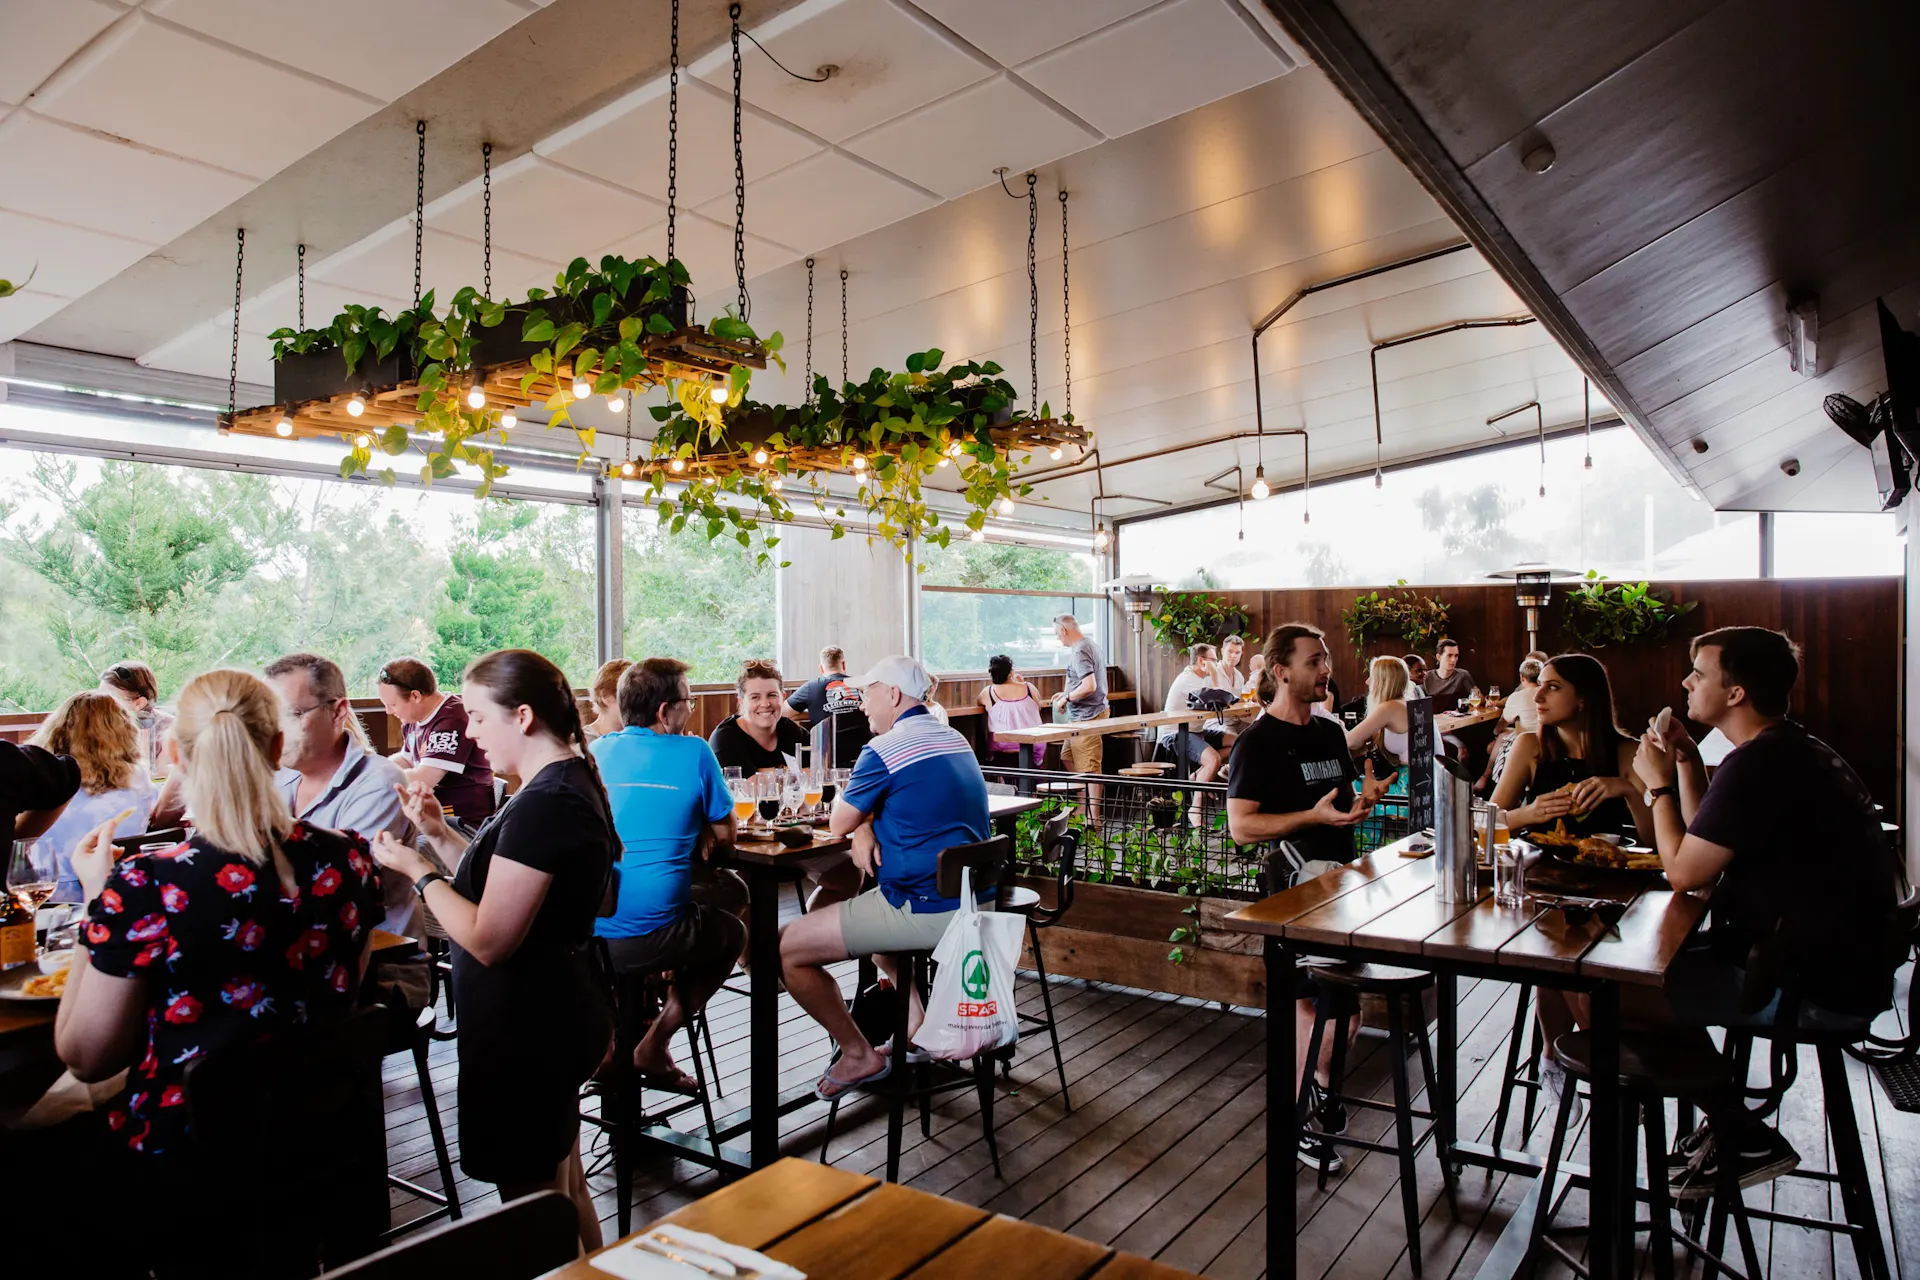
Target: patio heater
x,y
1532,591
1135,594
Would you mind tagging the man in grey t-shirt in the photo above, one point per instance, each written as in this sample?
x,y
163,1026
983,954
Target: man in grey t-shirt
x,y
1085,698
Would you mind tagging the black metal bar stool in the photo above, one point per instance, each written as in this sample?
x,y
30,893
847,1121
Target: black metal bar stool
x,y
1060,845
1528,1080
411,1031
1654,1066
1403,991
987,862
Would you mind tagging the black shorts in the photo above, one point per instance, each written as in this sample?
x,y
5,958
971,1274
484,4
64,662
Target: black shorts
x,y
1330,1002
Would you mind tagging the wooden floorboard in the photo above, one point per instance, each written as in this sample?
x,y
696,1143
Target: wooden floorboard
x,y
1164,1153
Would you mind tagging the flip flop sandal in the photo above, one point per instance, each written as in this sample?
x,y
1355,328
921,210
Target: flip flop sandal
x,y
831,1086
915,1054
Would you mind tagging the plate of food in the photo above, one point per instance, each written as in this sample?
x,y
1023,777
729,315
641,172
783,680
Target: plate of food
x,y
1604,851
30,986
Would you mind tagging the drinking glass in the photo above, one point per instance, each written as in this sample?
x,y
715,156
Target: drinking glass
x,y
791,793
1510,874
742,789
768,794
830,786
731,773
1482,832
1493,693
814,786
33,872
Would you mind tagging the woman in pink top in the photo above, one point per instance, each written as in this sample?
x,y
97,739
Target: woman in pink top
x,y
1010,703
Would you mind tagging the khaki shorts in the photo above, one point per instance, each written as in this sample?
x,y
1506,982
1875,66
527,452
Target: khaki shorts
x,y
1081,754
872,926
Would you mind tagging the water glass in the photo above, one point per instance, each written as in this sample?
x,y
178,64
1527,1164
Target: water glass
x,y
1510,874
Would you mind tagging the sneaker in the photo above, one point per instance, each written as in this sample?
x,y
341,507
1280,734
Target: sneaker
x,y
1683,1151
1763,1156
1555,1082
1329,1113
1311,1145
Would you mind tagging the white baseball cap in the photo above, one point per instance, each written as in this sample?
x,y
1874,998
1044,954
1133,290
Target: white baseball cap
x,y
903,673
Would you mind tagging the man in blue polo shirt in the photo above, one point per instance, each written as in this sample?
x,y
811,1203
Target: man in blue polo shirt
x,y
670,806
916,789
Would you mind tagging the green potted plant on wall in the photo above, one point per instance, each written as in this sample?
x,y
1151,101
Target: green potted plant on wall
x,y
1416,619
1598,613
1187,618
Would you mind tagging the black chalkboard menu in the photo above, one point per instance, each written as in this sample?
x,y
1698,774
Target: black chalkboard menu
x,y
1420,738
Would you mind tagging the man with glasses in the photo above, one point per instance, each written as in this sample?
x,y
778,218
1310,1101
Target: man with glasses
x,y
329,777
435,749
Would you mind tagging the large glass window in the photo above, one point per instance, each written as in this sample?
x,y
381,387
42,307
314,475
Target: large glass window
x,y
1821,545
707,603
1458,520
978,599
188,569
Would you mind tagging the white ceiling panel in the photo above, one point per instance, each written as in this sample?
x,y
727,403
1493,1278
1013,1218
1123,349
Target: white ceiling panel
x,y
953,146
705,248
26,309
37,36
823,200
374,46
205,350
1160,63
68,261
1015,31
890,60
176,92
97,179
626,142
384,265
545,211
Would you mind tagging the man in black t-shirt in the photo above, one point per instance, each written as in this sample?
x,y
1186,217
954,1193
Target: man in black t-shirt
x,y
1292,779
1805,880
829,696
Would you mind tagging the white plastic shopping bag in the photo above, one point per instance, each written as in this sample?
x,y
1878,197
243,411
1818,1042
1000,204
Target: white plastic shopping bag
x,y
971,1010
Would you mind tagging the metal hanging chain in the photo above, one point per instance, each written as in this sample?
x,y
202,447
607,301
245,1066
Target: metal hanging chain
x,y
419,205
809,374
300,319
1066,306
233,361
739,174
673,124
843,326
486,220
1033,297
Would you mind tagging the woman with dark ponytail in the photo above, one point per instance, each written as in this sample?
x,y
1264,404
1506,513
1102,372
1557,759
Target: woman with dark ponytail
x,y
520,911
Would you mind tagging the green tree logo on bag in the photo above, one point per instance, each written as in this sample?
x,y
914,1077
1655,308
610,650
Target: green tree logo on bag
x,y
974,974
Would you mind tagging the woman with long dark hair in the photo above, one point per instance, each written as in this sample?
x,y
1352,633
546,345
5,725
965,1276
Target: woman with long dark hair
x,y
520,911
1577,769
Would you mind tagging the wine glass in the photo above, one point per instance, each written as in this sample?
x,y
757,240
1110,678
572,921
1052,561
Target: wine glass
x,y
814,786
1493,693
32,873
742,791
791,793
768,792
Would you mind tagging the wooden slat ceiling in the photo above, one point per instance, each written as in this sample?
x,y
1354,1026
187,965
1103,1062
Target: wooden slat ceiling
x,y
1712,163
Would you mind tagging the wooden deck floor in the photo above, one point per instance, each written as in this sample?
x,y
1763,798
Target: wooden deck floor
x,y
1164,1153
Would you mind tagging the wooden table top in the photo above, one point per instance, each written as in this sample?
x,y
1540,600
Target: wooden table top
x,y
1060,731
830,1223
1386,902
1454,721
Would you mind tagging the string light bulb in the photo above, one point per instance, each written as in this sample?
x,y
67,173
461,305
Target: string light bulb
x,y
509,419
476,396
1259,491
941,463
679,464
719,393
363,441
859,462
284,427
626,469
977,535
1054,453
955,449
357,405
616,403
759,457
1006,506
582,388
775,483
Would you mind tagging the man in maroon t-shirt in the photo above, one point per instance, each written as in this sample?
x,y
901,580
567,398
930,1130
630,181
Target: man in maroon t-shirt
x,y
436,749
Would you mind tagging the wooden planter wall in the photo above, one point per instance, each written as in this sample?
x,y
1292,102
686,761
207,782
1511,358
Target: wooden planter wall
x,y
1119,935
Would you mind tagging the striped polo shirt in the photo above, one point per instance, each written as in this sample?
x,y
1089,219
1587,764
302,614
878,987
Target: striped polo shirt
x,y
922,786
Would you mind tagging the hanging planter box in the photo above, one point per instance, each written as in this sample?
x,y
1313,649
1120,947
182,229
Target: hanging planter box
x,y
321,375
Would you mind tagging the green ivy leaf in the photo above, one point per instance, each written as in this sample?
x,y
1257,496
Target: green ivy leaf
x,y
659,324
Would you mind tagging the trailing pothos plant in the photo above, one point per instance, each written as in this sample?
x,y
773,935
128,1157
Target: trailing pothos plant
x,y
1188,618
893,431
1597,614
1418,620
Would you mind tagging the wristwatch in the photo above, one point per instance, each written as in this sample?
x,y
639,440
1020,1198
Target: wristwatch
x,y
420,885
1654,793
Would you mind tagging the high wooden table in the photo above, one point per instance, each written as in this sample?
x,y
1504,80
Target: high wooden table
x,y
1455,721
836,1225
1026,740
1382,908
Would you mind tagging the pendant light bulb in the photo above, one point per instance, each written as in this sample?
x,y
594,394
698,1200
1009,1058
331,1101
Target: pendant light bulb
x,y
941,463
476,396
1259,491
1101,539
283,428
1054,453
977,535
679,465
357,405
859,462
616,403
363,441
776,483
759,457
509,419
1006,506
1376,477
626,469
719,393
1306,517
1589,462
582,388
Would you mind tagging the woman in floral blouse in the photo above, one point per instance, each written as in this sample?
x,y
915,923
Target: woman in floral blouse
x,y
254,924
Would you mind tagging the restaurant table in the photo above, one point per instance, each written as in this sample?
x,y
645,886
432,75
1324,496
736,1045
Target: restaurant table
x,y
1026,740
1383,909
1455,721
835,1225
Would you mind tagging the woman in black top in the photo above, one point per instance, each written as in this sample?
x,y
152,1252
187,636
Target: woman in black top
x,y
759,736
534,1023
1578,769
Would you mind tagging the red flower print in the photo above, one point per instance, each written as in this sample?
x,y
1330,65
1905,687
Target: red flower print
x,y
173,898
316,940
325,883
251,935
172,1096
236,878
147,927
349,916
98,933
137,1141
150,1063
182,1010
133,876
150,953
359,863
110,902
183,851
339,977
299,832
116,1120
297,953
241,993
